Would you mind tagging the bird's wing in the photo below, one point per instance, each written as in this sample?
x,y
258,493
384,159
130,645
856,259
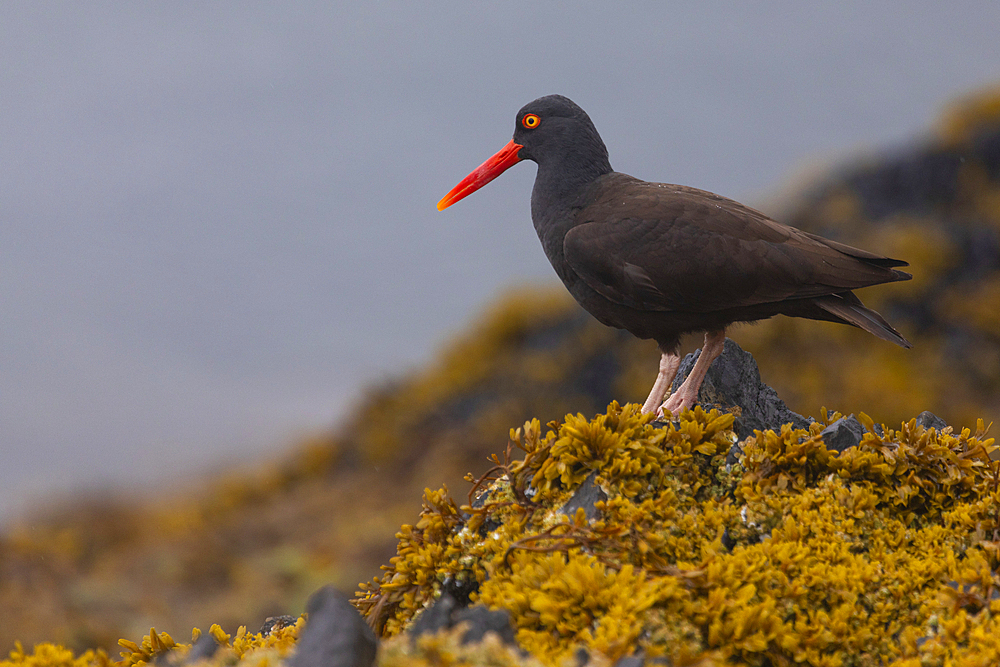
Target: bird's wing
x,y
671,248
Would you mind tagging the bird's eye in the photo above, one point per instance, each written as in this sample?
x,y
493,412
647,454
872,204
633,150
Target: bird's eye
x,y
530,121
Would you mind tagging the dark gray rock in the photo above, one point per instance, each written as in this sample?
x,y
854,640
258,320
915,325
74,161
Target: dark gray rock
x,y
481,620
843,434
460,589
335,634
728,543
204,648
437,616
735,452
480,500
447,612
734,380
930,420
586,497
630,661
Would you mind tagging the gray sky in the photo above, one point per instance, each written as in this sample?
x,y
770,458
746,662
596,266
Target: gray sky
x,y
218,223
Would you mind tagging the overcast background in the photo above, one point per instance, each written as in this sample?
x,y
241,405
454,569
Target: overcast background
x,y
218,223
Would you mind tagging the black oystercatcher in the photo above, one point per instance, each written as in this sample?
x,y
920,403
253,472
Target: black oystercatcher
x,y
663,260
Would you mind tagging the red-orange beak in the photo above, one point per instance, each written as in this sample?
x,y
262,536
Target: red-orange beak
x,y
484,173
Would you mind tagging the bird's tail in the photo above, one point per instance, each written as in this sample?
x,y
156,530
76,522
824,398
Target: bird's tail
x,y
849,308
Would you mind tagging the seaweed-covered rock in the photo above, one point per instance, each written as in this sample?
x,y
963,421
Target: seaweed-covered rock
x,y
272,623
882,553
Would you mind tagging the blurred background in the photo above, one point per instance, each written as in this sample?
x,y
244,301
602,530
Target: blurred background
x,y
223,271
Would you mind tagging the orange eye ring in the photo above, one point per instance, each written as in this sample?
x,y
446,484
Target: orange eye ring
x,y
530,121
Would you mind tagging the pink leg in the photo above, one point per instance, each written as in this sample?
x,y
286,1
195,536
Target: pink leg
x,y
669,361
687,393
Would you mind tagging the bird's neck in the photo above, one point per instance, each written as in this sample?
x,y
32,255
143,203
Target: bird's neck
x,y
563,178
558,195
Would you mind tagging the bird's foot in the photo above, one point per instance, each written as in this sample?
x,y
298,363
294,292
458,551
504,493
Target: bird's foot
x,y
678,402
687,394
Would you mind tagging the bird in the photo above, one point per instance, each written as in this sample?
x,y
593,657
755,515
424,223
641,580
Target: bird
x,y
661,261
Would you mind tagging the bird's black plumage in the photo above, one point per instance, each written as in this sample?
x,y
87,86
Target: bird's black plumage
x,y
662,260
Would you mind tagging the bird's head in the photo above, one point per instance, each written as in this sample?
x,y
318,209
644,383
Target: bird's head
x,y
550,129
